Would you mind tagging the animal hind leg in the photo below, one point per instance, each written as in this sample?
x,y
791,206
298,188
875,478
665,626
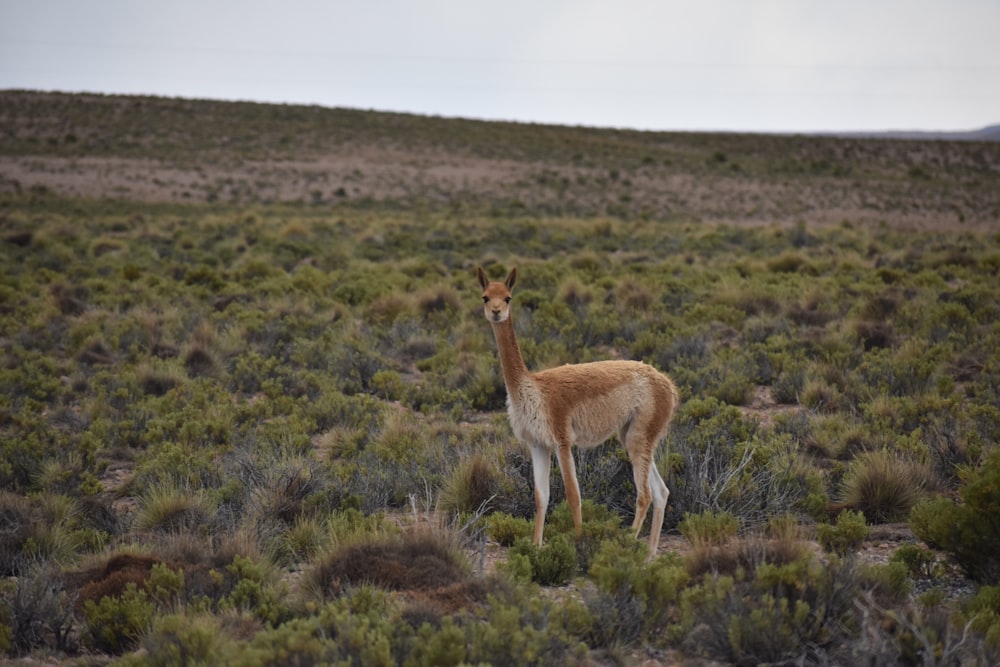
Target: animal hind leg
x,y
660,495
641,460
567,466
643,493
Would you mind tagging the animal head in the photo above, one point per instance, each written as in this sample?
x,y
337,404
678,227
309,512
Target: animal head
x,y
496,296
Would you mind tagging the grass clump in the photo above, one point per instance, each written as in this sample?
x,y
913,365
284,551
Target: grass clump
x,y
885,486
167,508
472,486
415,560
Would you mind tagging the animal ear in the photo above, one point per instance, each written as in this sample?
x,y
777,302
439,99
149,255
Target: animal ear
x,y
483,280
511,279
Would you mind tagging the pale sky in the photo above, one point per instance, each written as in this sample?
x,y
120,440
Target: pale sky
x,y
735,65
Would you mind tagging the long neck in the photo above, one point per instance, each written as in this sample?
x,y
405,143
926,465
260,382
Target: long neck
x,y
515,373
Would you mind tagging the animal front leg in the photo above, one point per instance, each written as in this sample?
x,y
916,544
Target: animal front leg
x,y
541,465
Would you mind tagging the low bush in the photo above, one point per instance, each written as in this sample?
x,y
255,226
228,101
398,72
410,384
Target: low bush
x,y
36,611
184,639
720,461
635,599
553,563
982,614
116,624
782,613
846,535
600,524
505,529
708,528
967,530
920,562
521,627
914,634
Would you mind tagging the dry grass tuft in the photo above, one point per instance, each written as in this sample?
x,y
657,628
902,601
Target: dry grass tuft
x,y
885,486
421,560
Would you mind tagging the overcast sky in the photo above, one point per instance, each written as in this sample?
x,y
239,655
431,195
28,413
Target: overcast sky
x,y
741,65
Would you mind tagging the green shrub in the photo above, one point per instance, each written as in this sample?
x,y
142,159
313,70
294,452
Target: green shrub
x,y
708,528
166,586
919,561
788,383
340,633
966,530
505,529
552,564
517,566
982,612
299,541
846,535
819,395
116,624
182,639
890,582
720,461
521,627
776,616
635,598
255,592
600,524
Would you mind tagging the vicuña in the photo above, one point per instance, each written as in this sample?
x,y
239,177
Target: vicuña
x,y
582,405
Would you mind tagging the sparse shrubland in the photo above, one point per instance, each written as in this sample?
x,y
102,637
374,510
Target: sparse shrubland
x,y
220,422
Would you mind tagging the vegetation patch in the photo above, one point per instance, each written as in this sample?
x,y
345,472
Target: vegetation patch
x,y
221,412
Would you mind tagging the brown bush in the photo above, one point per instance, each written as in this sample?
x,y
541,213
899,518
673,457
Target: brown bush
x,y
110,579
419,560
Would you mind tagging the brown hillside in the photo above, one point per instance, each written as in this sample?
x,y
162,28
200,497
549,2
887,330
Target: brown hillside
x,y
174,150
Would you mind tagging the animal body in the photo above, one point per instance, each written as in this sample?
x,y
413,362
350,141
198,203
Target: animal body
x,y
582,405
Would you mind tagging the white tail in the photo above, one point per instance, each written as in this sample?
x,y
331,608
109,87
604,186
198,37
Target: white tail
x,y
582,405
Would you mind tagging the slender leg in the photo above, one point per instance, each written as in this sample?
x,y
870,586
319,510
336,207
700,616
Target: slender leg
x,y
643,492
567,466
541,464
660,495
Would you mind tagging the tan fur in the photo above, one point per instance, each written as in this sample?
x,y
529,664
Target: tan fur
x,y
582,405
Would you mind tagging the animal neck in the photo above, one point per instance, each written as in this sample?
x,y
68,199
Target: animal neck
x,y
515,372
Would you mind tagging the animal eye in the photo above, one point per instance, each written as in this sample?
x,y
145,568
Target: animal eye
x,y
486,299
507,300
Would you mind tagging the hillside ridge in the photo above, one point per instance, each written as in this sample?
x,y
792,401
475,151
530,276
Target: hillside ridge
x,y
178,150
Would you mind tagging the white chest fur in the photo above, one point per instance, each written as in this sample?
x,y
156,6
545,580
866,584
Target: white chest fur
x,y
528,417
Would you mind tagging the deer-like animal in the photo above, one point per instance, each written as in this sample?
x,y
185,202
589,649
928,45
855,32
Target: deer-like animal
x,y
582,405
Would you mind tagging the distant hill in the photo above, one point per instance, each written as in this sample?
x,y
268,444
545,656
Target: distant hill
x,y
989,133
185,151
